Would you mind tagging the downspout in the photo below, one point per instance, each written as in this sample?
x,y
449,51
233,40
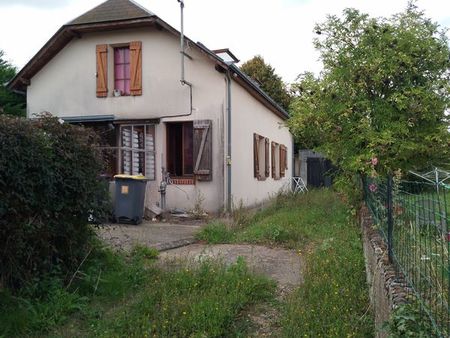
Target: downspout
x,y
182,57
228,159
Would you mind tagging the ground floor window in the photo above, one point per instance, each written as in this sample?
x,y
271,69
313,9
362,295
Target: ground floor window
x,y
276,167
180,145
261,166
283,160
137,150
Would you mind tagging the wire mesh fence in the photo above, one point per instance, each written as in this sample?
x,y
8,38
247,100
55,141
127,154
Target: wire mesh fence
x,y
414,219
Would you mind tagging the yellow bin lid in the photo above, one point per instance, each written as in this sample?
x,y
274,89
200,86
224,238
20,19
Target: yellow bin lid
x,y
132,177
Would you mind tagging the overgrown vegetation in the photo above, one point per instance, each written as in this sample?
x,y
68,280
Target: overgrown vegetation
x,y
408,320
380,103
333,300
11,103
49,188
113,295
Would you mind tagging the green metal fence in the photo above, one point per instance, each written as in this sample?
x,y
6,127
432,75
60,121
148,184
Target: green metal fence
x,y
414,219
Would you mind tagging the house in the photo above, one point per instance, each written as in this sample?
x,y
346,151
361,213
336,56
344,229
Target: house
x,y
164,106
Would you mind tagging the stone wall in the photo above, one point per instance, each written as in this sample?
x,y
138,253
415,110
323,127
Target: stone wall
x,y
387,288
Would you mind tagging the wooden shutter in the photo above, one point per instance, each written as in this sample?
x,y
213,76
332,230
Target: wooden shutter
x,y
273,146
266,162
136,68
283,160
203,150
256,155
102,70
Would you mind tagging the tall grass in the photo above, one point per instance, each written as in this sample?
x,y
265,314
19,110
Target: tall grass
x,y
113,295
333,299
197,301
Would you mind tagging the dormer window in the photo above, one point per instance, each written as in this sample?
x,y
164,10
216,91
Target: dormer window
x,y
122,71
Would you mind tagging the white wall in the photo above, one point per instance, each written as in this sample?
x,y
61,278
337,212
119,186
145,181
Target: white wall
x,y
249,116
66,86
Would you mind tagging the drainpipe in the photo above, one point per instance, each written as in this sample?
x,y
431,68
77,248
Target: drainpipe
x,y
182,57
228,159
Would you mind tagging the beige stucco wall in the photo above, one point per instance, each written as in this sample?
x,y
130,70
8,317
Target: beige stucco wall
x,y
249,116
66,86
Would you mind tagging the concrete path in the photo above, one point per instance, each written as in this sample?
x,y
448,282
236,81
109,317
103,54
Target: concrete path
x,y
162,236
284,266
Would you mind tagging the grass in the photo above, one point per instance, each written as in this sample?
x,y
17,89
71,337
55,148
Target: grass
x,y
130,296
117,295
333,300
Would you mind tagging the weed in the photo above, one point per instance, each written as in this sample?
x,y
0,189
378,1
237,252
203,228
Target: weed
x,y
408,320
239,214
216,232
141,252
198,211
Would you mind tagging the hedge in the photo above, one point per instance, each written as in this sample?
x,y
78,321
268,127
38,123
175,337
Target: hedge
x,y
49,187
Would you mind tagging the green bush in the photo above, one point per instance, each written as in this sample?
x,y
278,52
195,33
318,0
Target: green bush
x,y
49,188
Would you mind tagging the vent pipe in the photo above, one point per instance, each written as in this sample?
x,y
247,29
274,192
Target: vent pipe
x,y
182,49
182,57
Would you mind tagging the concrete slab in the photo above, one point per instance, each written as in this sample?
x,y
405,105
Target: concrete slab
x,y
162,236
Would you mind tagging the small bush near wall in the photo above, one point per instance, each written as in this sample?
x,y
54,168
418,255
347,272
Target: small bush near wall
x,y
49,187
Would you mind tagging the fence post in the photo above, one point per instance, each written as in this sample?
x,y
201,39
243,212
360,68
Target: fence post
x,y
390,217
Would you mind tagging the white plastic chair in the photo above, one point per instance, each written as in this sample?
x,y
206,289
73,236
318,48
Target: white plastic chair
x,y
299,185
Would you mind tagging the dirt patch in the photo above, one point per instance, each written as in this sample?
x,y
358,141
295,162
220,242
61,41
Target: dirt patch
x,y
284,266
162,236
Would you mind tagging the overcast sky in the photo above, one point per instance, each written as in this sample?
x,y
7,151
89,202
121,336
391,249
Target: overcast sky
x,y
279,30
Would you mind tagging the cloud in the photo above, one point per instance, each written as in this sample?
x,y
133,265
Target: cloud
x,y
35,3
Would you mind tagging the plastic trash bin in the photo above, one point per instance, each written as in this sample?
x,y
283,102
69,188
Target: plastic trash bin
x,y
129,198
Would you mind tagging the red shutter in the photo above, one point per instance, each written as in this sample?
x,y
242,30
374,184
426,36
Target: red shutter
x,y
203,150
267,163
102,70
256,155
136,68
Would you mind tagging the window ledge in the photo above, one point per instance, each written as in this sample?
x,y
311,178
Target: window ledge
x,y
182,180
261,178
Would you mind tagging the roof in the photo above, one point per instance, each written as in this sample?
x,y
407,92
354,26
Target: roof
x,y
113,10
121,14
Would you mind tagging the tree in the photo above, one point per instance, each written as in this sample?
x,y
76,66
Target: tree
x,y
10,103
379,104
271,83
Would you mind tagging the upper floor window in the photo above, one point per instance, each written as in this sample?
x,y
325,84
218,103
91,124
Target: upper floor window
x,y
122,70
127,64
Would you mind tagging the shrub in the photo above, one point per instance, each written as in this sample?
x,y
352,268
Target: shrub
x,y
49,187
